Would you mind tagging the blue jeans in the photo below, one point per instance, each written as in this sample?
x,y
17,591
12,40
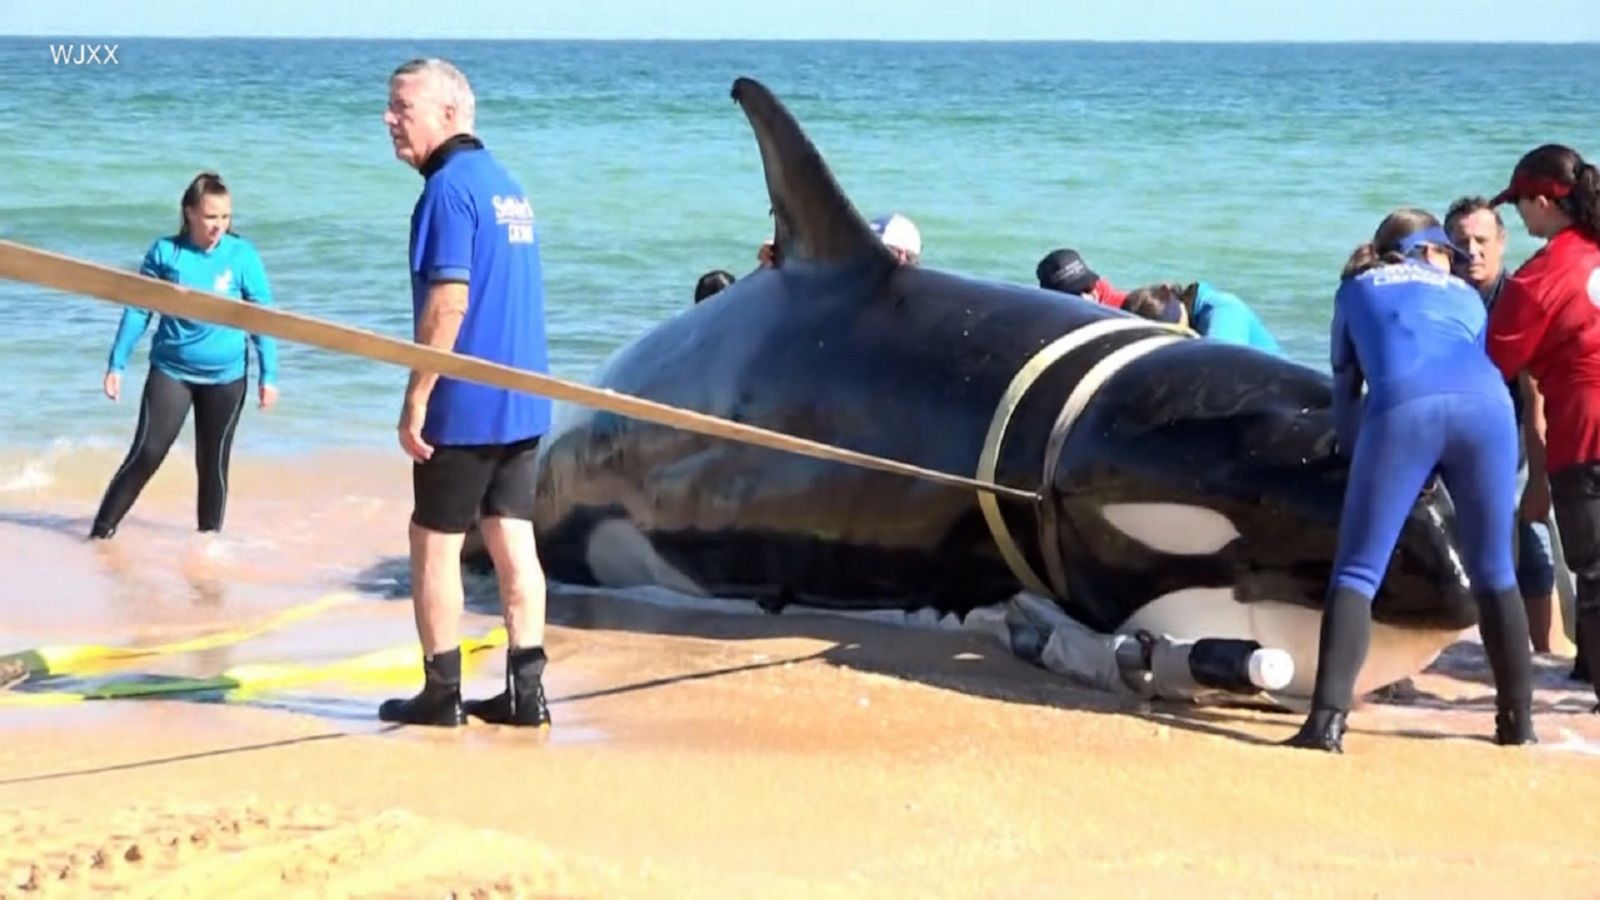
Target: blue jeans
x,y
1536,567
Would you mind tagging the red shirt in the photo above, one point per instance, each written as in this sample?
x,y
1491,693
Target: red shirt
x,y
1547,320
1106,295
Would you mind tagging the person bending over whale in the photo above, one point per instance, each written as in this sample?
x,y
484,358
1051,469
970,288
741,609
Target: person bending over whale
x,y
1211,313
1064,271
1435,403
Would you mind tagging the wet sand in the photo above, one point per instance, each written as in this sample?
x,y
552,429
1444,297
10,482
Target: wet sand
x,y
704,754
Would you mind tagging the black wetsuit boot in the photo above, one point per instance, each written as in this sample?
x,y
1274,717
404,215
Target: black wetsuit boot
x,y
1503,623
439,702
523,701
1341,651
1575,496
1589,649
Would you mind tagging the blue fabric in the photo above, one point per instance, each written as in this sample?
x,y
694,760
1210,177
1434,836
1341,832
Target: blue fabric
x,y
473,223
199,352
1536,568
1435,236
1471,440
1223,317
1434,404
1408,330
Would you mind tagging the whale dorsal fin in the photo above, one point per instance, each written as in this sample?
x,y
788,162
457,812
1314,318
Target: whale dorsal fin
x,y
815,220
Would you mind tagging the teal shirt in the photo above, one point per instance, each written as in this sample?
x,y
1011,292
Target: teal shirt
x,y
197,351
1223,317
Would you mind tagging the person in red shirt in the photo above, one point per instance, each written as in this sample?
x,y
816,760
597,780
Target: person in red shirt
x,y
1547,322
1064,271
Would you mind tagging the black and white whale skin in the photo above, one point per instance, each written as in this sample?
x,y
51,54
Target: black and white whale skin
x,y
1189,487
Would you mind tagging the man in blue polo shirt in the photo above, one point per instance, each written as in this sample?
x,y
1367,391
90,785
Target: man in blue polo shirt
x,y
477,290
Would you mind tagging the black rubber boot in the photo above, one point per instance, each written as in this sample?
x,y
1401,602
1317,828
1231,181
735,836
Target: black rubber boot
x,y
523,701
1341,651
439,702
1589,649
1503,623
1323,730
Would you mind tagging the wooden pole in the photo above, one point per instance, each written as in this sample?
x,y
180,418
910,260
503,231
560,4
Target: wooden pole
x,y
74,276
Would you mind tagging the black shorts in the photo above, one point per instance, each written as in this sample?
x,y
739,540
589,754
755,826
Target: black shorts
x,y
459,483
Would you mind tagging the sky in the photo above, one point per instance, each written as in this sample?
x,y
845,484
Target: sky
x,y
1099,20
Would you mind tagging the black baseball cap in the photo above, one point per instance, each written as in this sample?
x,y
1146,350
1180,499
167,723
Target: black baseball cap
x,y
1065,271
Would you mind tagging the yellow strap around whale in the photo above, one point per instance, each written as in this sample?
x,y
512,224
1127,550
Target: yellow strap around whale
x,y
989,459
1082,393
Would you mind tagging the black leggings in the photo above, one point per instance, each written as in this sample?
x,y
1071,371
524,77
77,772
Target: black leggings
x,y
1575,496
161,413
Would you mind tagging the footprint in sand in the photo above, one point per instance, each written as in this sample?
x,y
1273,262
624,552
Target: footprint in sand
x,y
253,851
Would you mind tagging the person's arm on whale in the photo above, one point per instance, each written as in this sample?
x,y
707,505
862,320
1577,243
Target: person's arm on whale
x,y
1347,381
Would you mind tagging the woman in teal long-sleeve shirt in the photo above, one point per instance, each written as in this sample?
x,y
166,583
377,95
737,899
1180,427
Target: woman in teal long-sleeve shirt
x,y
1211,313
192,363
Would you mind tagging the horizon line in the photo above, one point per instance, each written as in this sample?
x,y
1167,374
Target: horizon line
x,y
493,39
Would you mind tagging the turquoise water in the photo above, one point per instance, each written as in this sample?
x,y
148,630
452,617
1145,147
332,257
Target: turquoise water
x,y
1255,167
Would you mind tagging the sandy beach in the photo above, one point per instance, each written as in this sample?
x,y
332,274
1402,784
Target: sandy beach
x,y
696,753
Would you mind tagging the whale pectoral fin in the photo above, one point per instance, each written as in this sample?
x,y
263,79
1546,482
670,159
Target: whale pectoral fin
x,y
816,222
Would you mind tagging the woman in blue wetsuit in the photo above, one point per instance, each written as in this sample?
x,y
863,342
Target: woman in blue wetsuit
x,y
191,363
1435,404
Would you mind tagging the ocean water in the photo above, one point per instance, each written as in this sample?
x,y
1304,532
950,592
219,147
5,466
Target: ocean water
x,y
1254,167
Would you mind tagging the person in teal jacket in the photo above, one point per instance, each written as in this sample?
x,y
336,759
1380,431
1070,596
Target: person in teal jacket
x,y
1213,314
191,363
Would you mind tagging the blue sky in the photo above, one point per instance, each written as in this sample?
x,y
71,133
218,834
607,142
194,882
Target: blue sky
x,y
1130,20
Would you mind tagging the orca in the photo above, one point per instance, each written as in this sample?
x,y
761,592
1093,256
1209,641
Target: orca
x,y
1190,488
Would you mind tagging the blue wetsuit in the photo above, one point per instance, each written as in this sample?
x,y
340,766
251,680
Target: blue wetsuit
x,y
1435,403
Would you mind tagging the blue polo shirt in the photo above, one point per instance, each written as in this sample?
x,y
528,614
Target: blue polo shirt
x,y
473,223
199,352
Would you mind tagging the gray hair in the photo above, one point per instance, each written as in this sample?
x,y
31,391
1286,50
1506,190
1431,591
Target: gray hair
x,y
447,83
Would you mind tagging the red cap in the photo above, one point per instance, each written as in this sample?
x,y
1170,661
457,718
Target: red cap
x,y
1523,185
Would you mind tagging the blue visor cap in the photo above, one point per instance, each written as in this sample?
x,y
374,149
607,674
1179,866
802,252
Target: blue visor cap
x,y
1411,243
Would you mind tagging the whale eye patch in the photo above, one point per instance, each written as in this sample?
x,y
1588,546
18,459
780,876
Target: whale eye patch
x,y
1175,528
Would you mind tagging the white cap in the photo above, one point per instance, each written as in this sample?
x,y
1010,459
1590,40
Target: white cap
x,y
898,232
1271,670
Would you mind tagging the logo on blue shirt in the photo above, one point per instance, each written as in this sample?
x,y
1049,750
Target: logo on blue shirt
x,y
516,214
